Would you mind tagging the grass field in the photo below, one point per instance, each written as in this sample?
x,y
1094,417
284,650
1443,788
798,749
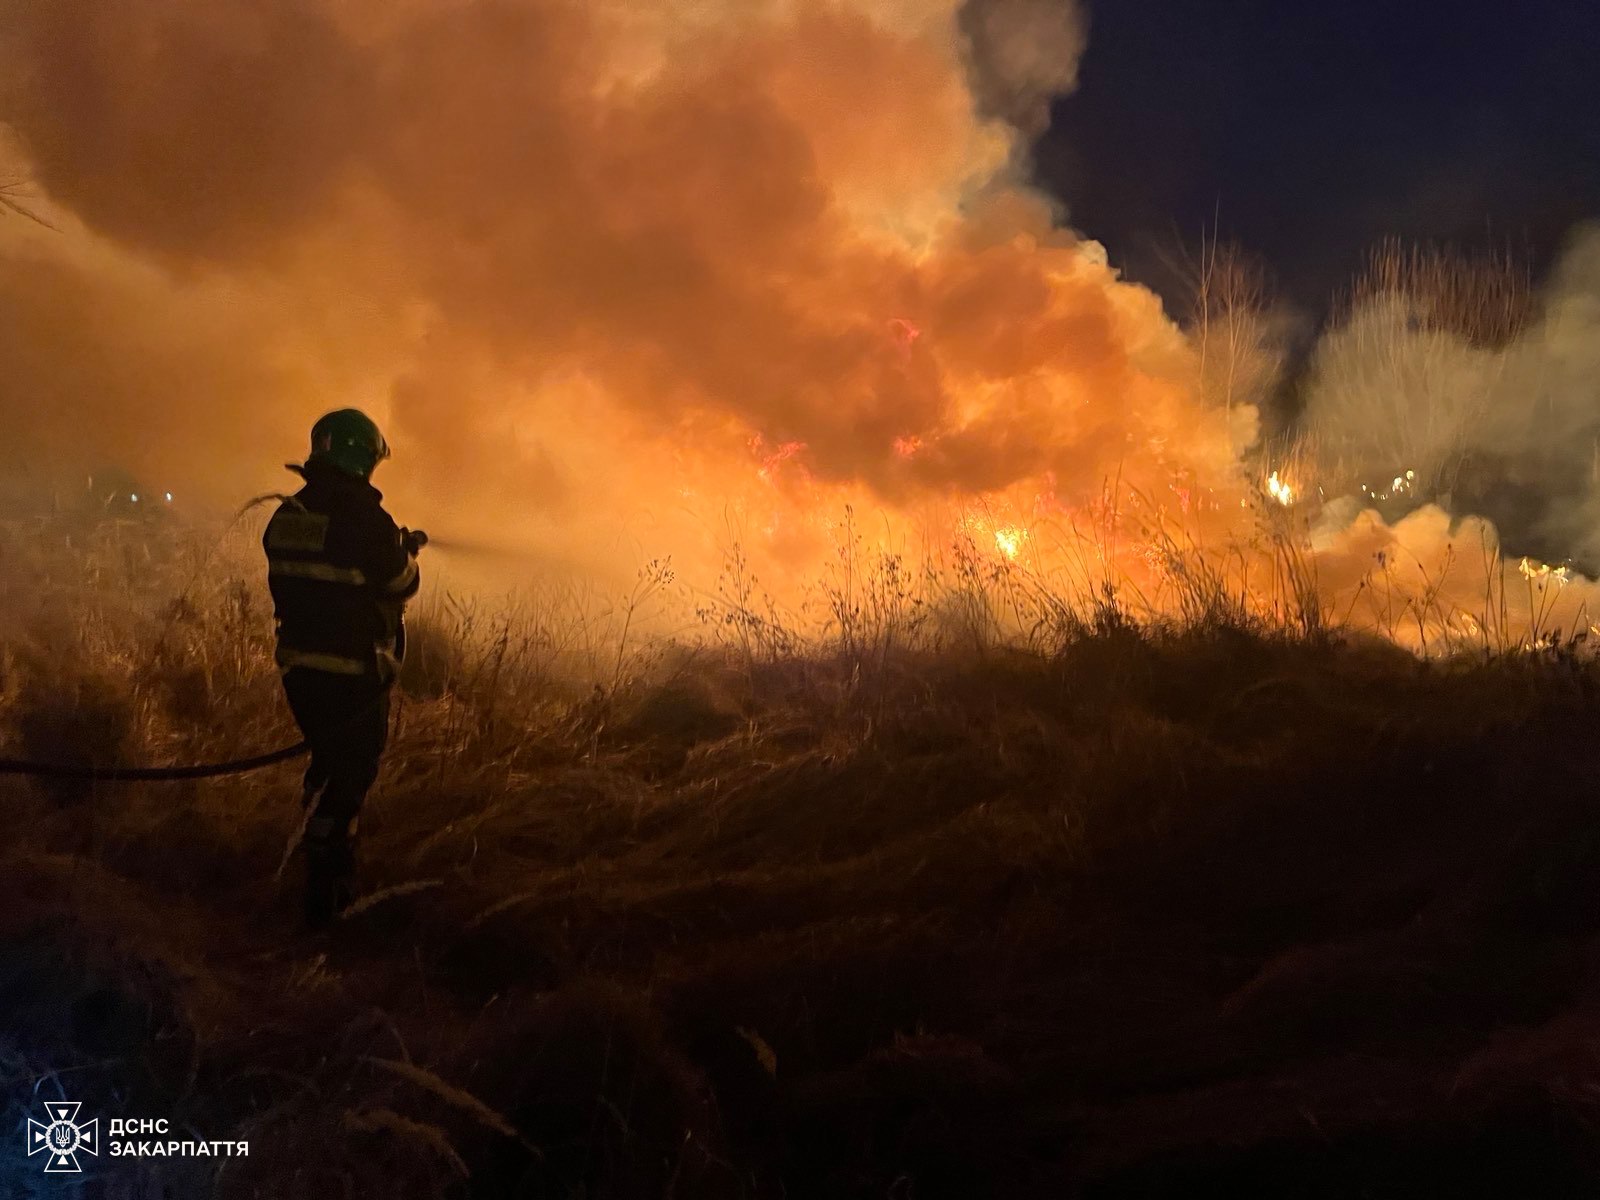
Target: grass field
x,y
1178,910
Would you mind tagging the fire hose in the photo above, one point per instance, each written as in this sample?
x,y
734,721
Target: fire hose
x,y
121,774
415,540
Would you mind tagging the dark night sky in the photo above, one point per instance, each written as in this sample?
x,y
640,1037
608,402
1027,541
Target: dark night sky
x,y
1315,129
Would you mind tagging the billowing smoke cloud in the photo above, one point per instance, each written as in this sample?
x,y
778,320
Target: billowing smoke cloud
x,y
620,279
1024,53
1507,428
594,264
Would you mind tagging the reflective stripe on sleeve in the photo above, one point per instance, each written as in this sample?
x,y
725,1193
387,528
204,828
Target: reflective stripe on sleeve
x,y
325,572
293,528
335,664
404,580
388,662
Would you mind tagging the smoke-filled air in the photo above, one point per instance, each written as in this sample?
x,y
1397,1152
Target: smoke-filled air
x,y
624,282
627,600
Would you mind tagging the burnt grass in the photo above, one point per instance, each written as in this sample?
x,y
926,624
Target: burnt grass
x,y
1202,913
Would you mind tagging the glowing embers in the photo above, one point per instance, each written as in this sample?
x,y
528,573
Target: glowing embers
x,y
1543,573
1279,489
1401,485
981,529
772,457
1009,541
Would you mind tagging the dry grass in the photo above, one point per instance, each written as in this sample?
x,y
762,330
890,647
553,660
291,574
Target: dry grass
x,y
1485,299
17,198
1408,374
983,892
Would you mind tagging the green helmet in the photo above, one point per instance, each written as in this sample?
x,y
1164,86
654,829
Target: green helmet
x,y
349,440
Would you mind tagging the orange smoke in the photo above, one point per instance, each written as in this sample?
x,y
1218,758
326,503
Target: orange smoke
x,y
613,275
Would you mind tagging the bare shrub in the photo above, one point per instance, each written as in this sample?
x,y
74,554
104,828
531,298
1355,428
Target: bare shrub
x,y
1406,381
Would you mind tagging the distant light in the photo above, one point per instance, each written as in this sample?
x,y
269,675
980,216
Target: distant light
x,y
134,496
169,497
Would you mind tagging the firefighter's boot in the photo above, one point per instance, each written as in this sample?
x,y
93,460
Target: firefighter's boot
x,y
330,869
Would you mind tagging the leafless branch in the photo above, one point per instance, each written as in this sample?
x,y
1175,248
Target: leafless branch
x,y
13,194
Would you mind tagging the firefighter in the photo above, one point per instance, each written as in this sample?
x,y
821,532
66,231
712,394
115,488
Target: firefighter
x,y
340,571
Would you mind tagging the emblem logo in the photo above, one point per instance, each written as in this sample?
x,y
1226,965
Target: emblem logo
x,y
63,1138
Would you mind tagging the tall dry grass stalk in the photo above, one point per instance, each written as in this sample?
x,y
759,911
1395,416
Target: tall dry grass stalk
x,y
15,197
1486,299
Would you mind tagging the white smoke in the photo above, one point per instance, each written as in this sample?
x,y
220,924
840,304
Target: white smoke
x,y
1510,432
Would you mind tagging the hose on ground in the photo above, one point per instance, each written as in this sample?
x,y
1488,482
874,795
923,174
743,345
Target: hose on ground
x,y
125,774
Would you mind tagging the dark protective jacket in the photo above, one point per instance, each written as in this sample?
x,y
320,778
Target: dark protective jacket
x,y
340,571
